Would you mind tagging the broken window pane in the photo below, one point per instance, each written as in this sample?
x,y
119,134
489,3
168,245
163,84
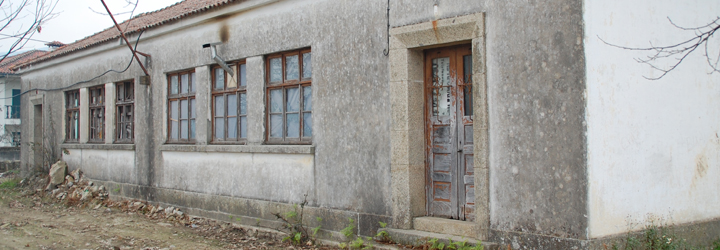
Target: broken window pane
x,y
291,68
307,65
293,100
276,126
173,84
293,125
307,98
243,79
219,78
276,101
276,70
307,124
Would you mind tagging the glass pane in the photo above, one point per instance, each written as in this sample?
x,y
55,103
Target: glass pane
x,y
232,127
243,103
243,127
184,83
441,101
219,106
219,128
121,92
307,124
291,68
192,109
307,98
276,101
243,79
183,129
293,100
441,71
467,90
183,109
307,66
232,105
174,130
174,110
192,129
276,126
293,125
219,78
173,85
193,85
276,70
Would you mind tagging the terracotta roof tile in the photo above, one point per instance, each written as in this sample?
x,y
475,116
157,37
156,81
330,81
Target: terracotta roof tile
x,y
136,24
12,61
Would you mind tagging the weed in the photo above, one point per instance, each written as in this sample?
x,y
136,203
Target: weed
x,y
436,244
238,219
716,245
12,183
350,229
117,189
382,235
293,222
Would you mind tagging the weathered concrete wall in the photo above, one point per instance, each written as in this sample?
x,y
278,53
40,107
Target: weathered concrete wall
x,y
106,165
348,166
652,145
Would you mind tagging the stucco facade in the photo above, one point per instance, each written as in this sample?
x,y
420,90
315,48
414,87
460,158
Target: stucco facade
x,y
541,133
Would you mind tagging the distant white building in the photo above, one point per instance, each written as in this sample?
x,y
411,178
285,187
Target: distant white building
x,y
10,98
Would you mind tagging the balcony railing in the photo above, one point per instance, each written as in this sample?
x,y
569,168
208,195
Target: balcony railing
x,y
12,112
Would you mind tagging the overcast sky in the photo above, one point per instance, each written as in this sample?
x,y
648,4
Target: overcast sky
x,y
76,20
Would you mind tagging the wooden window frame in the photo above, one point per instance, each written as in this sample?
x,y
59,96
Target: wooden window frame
x,y
226,91
188,96
96,123
124,107
72,113
283,85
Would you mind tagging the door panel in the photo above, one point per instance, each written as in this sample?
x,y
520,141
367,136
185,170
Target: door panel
x,y
450,183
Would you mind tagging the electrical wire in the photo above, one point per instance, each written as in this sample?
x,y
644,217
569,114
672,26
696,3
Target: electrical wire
x,y
86,81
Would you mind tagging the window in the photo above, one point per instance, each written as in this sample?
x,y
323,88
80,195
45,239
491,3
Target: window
x,y
72,116
181,107
125,107
229,104
97,114
289,97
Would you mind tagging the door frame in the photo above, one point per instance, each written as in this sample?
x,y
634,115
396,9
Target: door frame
x,y
407,166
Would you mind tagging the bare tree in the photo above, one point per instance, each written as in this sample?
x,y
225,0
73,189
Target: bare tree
x,y
20,20
676,53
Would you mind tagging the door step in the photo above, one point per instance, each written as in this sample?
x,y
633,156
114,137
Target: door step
x,y
445,226
420,238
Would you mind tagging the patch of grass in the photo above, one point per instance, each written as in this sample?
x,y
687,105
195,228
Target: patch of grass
x,y
12,183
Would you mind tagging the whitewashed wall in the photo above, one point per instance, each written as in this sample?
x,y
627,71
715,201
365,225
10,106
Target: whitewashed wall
x,y
653,146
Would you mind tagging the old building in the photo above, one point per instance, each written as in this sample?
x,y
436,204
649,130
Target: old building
x,y
505,121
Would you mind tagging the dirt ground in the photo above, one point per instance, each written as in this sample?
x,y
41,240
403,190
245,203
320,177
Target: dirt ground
x,y
31,218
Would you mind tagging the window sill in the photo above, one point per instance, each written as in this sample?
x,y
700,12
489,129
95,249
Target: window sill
x,y
269,149
99,146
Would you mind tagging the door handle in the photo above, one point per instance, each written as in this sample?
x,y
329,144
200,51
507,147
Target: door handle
x,y
460,150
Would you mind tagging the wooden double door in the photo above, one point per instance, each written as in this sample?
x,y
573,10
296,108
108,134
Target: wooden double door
x,y
450,184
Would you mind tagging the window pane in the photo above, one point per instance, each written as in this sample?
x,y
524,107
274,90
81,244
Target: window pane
x,y
293,100
291,68
121,91
219,128
174,119
243,127
219,106
232,127
276,126
183,109
232,105
276,101
307,98
467,98
243,79
307,124
193,85
173,85
192,109
243,103
276,70
219,78
184,83
192,129
307,66
183,129
293,125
